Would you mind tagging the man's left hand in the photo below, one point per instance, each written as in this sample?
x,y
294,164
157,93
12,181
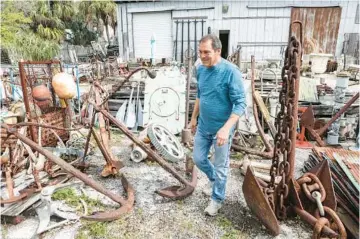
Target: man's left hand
x,y
222,136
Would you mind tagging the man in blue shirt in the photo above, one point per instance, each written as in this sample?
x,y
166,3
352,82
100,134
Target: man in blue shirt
x,y
219,104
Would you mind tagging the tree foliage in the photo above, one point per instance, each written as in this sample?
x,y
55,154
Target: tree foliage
x,y
34,30
12,24
99,12
20,39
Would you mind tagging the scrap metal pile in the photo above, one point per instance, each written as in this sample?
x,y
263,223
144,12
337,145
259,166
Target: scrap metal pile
x,y
32,142
35,133
344,166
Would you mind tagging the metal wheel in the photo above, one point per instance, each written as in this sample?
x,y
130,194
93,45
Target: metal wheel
x,y
165,142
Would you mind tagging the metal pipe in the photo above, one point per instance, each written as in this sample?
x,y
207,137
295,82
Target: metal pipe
x,y
195,42
176,38
239,57
188,89
202,27
188,37
338,114
182,41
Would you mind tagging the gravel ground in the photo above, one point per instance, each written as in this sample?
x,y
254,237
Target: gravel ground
x,y
157,217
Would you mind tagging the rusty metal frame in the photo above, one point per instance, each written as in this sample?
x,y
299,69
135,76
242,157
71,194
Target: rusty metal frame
x,y
55,114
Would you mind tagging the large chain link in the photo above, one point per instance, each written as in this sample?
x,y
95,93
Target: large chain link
x,y
285,128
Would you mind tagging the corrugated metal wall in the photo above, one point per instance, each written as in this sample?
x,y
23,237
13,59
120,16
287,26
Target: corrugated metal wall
x,y
320,28
260,27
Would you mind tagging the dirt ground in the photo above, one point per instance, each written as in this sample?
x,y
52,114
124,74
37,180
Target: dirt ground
x,y
156,217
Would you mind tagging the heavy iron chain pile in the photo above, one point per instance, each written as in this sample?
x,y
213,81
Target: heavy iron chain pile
x,y
285,122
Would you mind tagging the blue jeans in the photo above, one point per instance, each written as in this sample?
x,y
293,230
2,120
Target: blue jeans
x,y
217,172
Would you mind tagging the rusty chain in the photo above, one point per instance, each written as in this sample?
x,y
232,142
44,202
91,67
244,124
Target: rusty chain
x,y
334,223
310,183
285,123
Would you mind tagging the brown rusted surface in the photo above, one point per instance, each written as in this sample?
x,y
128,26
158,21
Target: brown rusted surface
x,y
307,217
116,214
7,140
310,182
333,217
321,27
179,192
322,171
42,126
258,204
319,225
10,189
112,167
294,198
174,192
126,205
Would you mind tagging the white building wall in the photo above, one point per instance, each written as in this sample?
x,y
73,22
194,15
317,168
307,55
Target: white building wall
x,y
261,27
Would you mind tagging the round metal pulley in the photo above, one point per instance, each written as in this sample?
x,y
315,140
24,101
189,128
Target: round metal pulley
x,y
165,142
138,155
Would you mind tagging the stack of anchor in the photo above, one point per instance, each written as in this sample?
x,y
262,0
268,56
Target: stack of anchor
x,y
314,201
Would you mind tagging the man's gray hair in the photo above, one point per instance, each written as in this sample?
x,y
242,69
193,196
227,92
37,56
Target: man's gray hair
x,y
215,41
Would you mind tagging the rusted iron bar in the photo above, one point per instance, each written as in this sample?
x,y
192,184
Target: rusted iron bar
x,y
112,166
266,155
337,115
42,126
268,147
143,146
294,113
126,205
89,135
307,217
318,139
26,97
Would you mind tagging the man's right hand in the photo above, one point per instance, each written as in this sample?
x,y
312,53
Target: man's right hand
x,y
192,125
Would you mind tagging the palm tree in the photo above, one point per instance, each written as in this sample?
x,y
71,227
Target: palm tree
x,y
101,12
45,24
64,10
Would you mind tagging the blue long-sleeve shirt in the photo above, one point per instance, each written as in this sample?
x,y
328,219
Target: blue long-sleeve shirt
x,y
221,93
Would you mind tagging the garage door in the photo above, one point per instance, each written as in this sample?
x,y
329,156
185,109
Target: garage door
x,y
147,24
